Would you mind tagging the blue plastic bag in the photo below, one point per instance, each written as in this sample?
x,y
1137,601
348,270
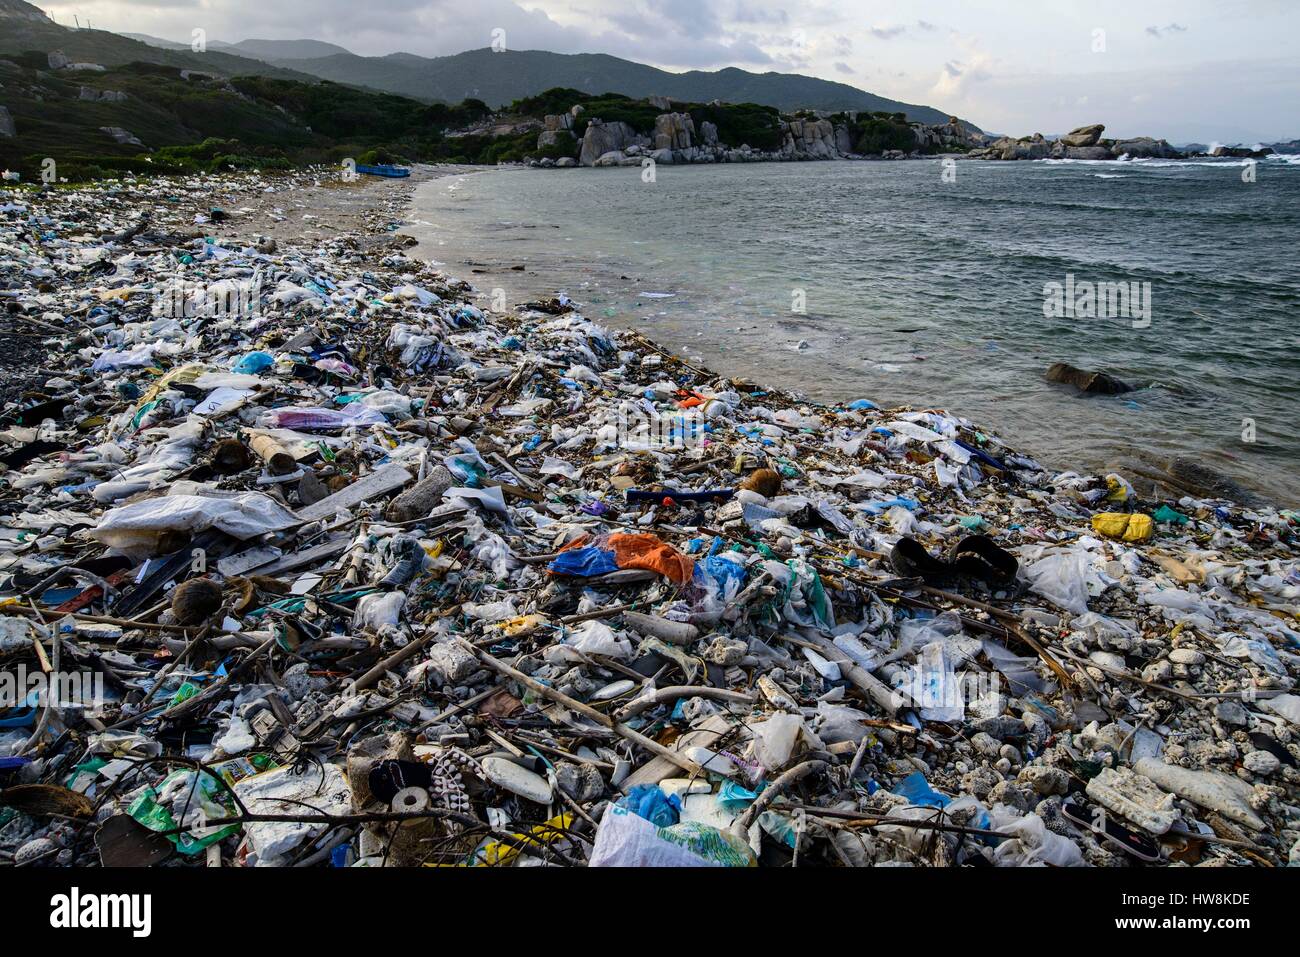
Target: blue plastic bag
x,y
647,801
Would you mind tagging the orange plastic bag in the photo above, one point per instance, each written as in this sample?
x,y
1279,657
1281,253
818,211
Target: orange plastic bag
x,y
651,553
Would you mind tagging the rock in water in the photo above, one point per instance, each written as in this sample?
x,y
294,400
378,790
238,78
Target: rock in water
x,y
1205,482
1099,383
1084,135
195,601
1143,147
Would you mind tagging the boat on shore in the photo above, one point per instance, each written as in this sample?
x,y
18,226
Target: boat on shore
x,y
394,172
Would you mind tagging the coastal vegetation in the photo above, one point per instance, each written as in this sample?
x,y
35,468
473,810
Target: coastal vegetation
x,y
152,118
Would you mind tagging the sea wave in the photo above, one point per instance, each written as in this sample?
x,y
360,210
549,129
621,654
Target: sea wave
x,y
1208,162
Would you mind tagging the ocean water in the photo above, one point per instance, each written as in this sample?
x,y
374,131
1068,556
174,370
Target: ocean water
x,y
894,282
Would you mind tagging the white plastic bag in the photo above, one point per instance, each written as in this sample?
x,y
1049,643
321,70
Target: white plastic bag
x,y
1061,578
1034,844
596,638
375,611
775,738
626,840
139,525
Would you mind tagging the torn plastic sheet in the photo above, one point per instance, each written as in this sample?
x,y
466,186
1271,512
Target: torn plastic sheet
x,y
1020,672
139,524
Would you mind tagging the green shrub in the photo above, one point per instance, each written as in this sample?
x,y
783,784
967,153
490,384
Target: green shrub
x,y
875,135
741,123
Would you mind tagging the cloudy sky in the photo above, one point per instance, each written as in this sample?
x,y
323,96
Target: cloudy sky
x,y
1203,70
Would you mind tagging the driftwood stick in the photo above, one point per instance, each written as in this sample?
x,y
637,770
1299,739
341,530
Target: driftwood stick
x,y
868,820
776,789
637,705
654,747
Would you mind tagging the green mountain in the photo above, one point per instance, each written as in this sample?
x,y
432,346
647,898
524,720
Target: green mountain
x,y
151,105
25,29
501,78
285,49
17,10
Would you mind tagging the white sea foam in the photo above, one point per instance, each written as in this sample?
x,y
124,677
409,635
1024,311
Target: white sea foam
x,y
1148,162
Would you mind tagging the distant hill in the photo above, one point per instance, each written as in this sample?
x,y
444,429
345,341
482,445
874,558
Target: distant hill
x,y
158,41
286,49
17,10
264,50
500,78
497,79
24,28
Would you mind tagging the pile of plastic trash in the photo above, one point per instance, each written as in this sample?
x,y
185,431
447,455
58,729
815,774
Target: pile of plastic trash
x,y
306,559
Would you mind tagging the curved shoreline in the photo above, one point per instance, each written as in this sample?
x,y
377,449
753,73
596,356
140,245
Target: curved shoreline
x,y
607,287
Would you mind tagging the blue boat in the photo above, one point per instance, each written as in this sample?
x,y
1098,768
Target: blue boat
x,y
394,171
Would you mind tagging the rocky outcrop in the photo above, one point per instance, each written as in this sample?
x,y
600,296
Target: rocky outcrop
x,y
676,139
1009,148
56,60
660,103
101,96
1144,147
949,136
603,138
674,131
1085,143
1084,135
1088,153
814,139
6,123
1241,152
122,136
555,126
1099,383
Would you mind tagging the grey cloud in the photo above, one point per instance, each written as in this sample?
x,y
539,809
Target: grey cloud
x,y
745,13
844,68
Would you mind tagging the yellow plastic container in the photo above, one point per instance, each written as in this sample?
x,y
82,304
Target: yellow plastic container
x,y
1135,527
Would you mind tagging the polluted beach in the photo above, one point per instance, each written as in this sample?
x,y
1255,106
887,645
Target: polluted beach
x,y
809,447
354,567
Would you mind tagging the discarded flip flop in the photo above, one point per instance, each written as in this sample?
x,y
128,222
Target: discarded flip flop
x,y
911,560
975,556
1108,829
978,556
